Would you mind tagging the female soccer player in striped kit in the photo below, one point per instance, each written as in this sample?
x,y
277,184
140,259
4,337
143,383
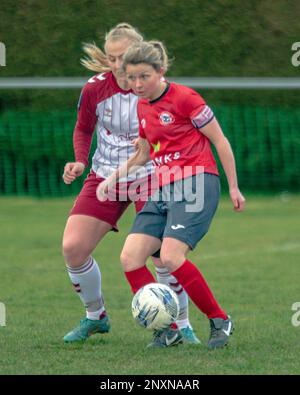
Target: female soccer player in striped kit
x,y
107,103
176,128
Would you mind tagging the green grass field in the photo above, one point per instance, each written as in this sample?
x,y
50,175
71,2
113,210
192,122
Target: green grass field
x,y
251,260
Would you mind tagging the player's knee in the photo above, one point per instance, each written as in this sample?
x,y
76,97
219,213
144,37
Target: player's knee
x,y
171,260
127,260
73,252
130,260
68,248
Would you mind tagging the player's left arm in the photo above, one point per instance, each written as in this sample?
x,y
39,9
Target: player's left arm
x,y
215,134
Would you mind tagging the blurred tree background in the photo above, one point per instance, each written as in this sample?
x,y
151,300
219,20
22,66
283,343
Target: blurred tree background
x,y
205,38
220,38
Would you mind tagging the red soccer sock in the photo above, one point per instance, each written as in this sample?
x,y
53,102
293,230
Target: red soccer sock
x,y
189,276
139,277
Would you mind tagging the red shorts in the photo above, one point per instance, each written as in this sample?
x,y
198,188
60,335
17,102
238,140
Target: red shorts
x,y
110,211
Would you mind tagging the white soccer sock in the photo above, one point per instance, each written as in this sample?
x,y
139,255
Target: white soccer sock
x,y
183,323
163,276
86,280
94,315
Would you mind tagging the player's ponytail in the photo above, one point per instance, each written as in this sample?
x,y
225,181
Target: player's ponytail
x,y
165,63
96,59
153,53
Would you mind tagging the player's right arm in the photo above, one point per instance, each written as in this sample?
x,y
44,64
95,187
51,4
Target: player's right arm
x,y
82,136
139,158
141,155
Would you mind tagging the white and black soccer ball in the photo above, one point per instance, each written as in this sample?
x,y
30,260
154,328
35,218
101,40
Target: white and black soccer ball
x,y
155,306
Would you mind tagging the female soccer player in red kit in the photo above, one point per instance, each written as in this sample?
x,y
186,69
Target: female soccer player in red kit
x,y
176,129
107,103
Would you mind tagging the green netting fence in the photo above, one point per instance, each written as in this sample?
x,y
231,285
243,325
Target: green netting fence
x,y
34,147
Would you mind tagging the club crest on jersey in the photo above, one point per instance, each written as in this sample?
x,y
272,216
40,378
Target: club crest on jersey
x,y
166,118
143,123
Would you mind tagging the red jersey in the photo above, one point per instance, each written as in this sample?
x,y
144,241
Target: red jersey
x,y
171,125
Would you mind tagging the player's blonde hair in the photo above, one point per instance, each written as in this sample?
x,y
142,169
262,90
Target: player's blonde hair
x,y
96,59
153,53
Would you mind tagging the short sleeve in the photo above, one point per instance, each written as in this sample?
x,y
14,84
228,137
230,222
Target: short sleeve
x,y
194,107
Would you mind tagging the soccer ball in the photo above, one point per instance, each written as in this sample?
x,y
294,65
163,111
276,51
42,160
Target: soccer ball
x,y
155,306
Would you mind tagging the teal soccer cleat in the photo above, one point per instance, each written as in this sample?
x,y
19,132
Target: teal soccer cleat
x,y
189,336
87,328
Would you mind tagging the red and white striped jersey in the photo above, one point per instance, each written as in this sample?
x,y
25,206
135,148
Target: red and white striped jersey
x,y
113,111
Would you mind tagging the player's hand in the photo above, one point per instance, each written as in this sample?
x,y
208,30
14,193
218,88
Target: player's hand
x,y
238,199
135,142
72,170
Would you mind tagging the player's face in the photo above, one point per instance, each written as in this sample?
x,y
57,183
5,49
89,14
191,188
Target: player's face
x,y
145,81
114,51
